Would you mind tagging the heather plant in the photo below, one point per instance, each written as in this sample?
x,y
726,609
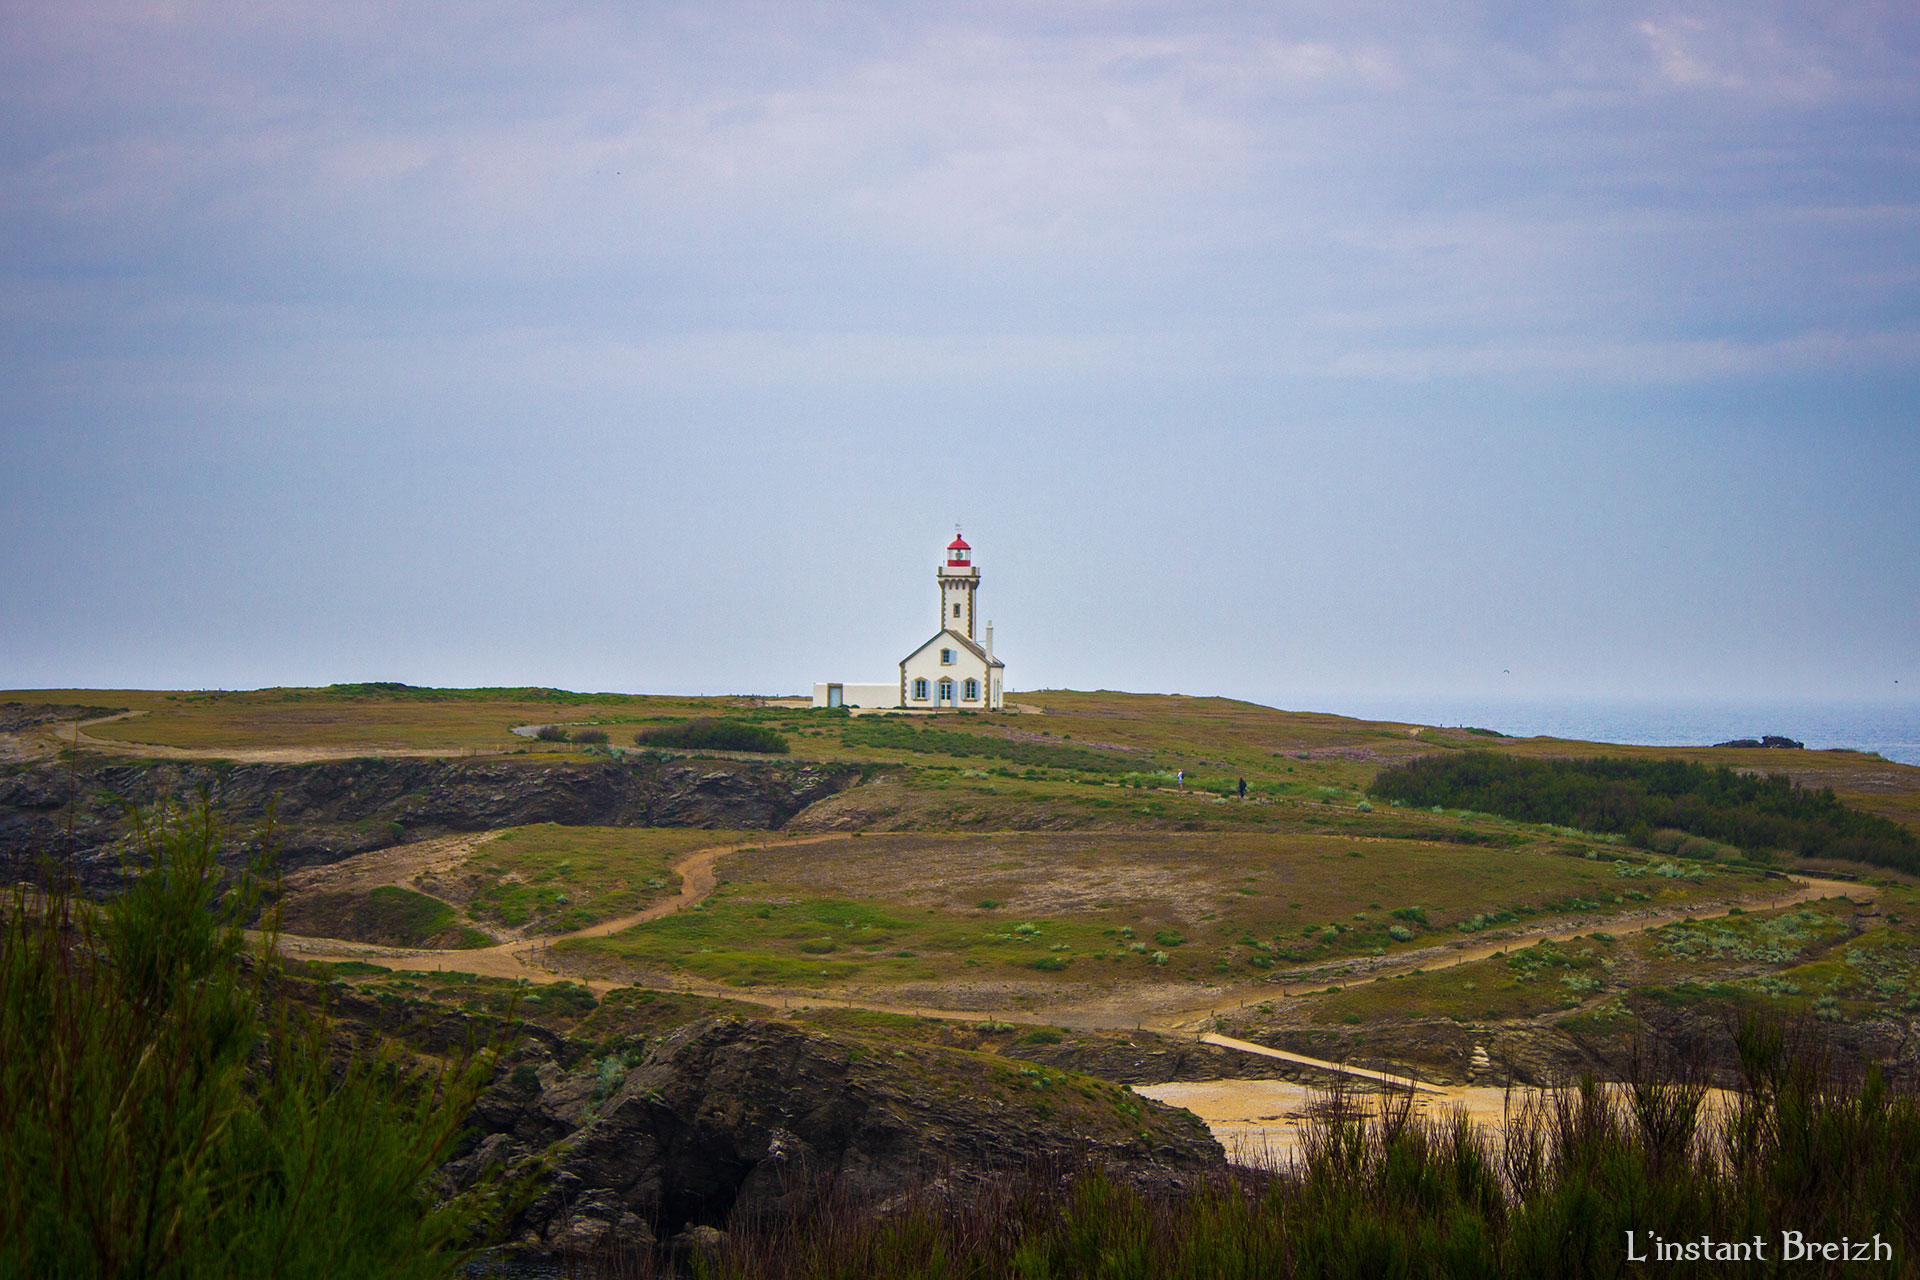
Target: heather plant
x,y
167,1109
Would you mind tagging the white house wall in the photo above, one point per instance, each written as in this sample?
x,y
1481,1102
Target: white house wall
x,y
925,664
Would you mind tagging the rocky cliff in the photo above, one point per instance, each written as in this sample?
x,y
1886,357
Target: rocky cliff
x,y
750,1116
327,811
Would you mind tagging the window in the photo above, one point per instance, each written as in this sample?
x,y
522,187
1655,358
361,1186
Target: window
x,y
956,611
920,689
946,657
946,689
973,691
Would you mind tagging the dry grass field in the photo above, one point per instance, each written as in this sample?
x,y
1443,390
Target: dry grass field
x,y
1115,908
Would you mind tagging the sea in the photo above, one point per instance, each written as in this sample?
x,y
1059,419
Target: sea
x,y
1891,728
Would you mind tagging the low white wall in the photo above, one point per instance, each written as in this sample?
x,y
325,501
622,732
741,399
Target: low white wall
x,y
859,695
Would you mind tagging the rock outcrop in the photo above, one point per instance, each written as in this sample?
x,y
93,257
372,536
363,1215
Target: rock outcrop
x,y
743,1115
331,810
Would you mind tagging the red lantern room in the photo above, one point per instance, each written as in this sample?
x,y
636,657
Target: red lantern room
x,y
959,554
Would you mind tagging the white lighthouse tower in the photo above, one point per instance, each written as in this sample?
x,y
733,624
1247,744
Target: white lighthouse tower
x,y
958,581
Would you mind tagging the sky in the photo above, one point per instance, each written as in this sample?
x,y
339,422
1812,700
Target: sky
x,y
1297,352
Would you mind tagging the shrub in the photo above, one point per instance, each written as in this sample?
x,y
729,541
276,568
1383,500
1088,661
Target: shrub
x,y
141,1134
710,734
817,946
1650,802
550,733
1168,938
590,735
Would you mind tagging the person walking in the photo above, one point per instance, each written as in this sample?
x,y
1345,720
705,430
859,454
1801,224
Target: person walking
x,y
1243,788
1180,778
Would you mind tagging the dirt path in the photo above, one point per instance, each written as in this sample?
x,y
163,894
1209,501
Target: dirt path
x,y
1162,1010
523,957
1378,1077
408,864
1804,889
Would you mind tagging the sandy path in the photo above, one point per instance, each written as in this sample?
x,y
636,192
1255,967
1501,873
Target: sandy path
x,y
1378,1077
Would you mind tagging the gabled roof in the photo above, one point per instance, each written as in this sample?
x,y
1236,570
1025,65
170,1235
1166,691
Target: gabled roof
x,y
962,641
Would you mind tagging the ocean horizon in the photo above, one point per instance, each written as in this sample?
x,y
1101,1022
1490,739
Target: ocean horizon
x,y
1890,728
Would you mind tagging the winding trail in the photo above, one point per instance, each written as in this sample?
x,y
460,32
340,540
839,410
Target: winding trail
x,y
520,958
1118,1011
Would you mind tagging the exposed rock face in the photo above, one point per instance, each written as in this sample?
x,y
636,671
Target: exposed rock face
x,y
15,716
731,1114
328,811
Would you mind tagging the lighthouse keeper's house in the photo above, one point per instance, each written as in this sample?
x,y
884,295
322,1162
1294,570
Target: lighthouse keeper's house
x,y
955,670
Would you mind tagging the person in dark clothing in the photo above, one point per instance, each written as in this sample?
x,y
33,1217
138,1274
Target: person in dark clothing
x,y
1243,788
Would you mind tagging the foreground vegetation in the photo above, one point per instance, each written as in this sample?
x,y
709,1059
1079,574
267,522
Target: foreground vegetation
x,y
166,1110
1392,1193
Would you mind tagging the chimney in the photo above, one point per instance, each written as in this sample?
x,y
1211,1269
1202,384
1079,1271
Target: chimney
x,y
989,639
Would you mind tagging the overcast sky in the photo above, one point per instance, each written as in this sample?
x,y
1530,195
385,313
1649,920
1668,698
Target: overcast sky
x,y
1289,351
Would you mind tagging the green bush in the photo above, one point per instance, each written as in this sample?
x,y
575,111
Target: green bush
x,y
168,1110
550,733
1639,798
710,734
1168,938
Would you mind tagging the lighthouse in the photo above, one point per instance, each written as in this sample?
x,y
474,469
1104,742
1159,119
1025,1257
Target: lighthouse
x,y
953,671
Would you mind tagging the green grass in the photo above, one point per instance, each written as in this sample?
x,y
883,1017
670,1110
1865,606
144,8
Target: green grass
x,y
410,917
753,936
548,878
1104,908
1526,983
